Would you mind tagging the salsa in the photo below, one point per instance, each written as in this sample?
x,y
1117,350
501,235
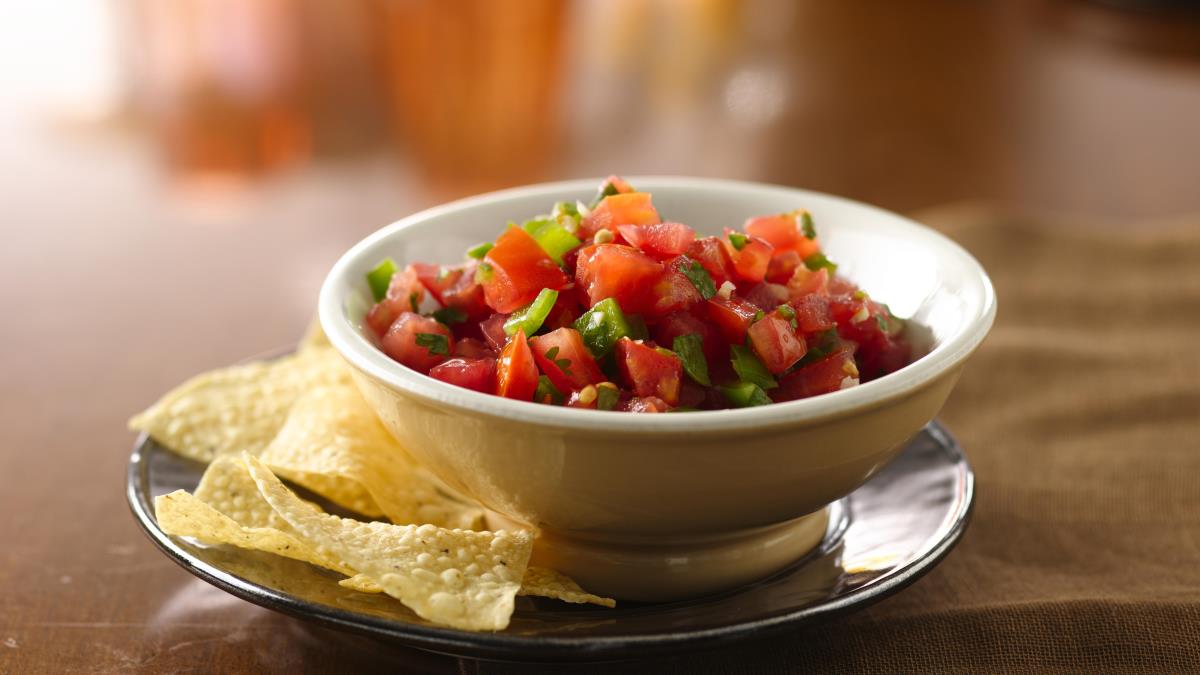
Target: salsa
x,y
608,306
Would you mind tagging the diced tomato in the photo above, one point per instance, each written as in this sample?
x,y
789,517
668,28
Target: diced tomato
x,y
878,354
684,323
783,231
767,296
472,373
566,309
751,260
732,317
401,341
776,342
840,286
516,270
473,349
659,240
632,208
455,286
619,272
649,372
672,292
492,329
819,377
882,358
618,184
783,266
516,372
571,366
711,254
805,281
812,313
405,294
692,395
644,404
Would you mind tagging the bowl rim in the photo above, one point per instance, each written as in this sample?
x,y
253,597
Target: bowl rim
x,y
369,359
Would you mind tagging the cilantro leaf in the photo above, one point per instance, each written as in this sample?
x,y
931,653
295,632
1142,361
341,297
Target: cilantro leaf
x,y
436,343
700,278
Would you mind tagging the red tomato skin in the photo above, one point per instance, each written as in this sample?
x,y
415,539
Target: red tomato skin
x,y
472,348
400,342
684,323
732,317
776,343
582,367
631,208
812,313
520,269
516,372
478,374
659,240
566,309
404,285
648,372
805,281
620,272
455,286
751,262
673,292
783,232
618,183
711,254
820,377
767,296
492,329
783,266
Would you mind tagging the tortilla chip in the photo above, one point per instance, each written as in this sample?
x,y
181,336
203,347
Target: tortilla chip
x,y
237,409
547,583
333,444
227,487
181,514
314,336
361,583
458,578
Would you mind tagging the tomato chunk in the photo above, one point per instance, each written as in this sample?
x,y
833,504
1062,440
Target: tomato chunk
x,y
684,323
783,232
819,377
672,292
409,341
750,262
619,272
711,254
405,294
767,296
805,281
632,208
732,317
516,372
516,269
648,371
473,349
776,342
783,266
812,313
478,374
562,356
492,329
658,240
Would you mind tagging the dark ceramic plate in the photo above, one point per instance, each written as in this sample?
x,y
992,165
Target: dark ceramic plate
x,y
881,538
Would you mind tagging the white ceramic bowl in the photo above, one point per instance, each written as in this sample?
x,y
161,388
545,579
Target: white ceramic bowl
x,y
662,506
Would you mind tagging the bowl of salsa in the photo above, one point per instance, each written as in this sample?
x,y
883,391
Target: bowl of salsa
x,y
670,377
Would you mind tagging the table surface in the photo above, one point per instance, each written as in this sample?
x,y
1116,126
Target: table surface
x,y
124,275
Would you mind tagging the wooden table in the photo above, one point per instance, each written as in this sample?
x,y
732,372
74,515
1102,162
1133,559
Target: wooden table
x,y
122,279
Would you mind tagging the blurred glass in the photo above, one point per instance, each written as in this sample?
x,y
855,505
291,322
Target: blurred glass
x,y
474,88
221,84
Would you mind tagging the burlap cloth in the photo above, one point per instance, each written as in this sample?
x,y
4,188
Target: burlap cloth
x,y
1081,416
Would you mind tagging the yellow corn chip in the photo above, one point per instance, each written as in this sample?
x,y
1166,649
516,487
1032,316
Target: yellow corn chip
x,y
314,336
181,514
227,487
333,444
547,583
538,581
458,578
237,409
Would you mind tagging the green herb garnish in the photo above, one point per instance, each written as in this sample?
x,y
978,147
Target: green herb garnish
x,y
818,260
450,315
700,278
530,317
745,395
606,190
564,364
546,392
690,349
478,251
806,225
750,368
380,278
826,345
436,343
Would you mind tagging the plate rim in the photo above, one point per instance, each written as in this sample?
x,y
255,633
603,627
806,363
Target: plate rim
x,y
505,647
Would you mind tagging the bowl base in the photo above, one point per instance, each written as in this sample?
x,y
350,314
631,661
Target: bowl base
x,y
659,568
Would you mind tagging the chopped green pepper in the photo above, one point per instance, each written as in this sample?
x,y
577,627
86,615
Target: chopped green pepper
x,y
745,394
690,350
738,240
607,396
530,317
601,327
478,251
806,225
606,190
749,368
818,260
380,278
554,239
546,392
